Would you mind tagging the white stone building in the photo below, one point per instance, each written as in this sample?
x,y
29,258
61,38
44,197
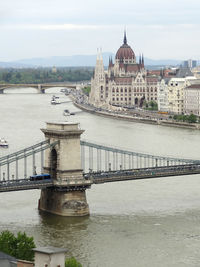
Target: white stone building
x,y
192,99
125,83
176,88
163,104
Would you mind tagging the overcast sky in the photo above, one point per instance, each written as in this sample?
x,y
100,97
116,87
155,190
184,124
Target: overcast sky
x,y
42,28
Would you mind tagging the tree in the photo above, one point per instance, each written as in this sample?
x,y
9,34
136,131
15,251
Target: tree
x,y
192,118
72,262
24,248
20,247
7,242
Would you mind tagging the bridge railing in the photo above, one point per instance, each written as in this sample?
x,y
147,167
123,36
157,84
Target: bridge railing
x,y
25,162
98,157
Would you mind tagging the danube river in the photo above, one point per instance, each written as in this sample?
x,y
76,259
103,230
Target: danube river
x,y
134,223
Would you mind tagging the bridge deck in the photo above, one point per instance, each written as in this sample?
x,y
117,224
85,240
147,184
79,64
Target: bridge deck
x,y
145,173
24,184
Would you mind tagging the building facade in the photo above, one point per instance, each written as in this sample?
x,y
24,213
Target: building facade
x,y
125,83
163,104
190,63
192,99
176,87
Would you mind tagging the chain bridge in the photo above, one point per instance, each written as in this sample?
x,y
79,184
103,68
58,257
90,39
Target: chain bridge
x,y
73,165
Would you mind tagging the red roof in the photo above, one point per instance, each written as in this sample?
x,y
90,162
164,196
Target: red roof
x,y
152,79
123,80
194,86
125,52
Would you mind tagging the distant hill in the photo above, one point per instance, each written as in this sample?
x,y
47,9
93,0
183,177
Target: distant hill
x,y
13,65
77,60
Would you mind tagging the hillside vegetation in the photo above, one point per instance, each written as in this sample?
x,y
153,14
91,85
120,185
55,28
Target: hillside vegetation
x,y
45,75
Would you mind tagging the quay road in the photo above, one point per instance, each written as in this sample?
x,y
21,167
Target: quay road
x,y
144,173
136,114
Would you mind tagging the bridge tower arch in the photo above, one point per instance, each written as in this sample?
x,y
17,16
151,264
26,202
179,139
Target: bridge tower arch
x,y
63,162
53,163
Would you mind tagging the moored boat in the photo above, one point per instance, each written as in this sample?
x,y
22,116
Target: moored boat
x,y
55,100
3,142
66,112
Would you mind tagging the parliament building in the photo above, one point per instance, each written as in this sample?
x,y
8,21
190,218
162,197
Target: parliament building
x,y
124,83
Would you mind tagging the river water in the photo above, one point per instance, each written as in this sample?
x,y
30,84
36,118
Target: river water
x,y
133,223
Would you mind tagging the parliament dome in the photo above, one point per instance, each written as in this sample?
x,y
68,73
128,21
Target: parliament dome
x,y
125,51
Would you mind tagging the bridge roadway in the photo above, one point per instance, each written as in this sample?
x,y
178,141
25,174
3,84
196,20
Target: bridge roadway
x,y
27,184
24,184
40,87
144,173
101,177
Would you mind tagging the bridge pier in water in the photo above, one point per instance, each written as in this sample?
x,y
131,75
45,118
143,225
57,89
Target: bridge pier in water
x,y
63,162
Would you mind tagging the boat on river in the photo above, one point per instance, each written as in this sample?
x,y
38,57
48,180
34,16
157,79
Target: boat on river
x,y
3,143
55,100
66,112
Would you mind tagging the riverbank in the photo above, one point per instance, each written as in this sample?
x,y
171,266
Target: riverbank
x,y
162,122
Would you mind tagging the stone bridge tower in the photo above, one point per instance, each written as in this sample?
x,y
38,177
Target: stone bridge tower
x,y
63,163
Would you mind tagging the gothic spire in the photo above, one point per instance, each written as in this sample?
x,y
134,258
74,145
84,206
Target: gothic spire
x,y
111,60
140,62
125,39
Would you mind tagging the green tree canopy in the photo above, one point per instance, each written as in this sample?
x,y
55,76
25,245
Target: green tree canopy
x,y
192,118
20,246
72,262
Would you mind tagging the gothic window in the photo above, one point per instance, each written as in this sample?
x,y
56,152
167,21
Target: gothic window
x,y
125,98
113,89
129,89
122,90
113,99
101,88
121,98
129,98
117,90
117,99
126,90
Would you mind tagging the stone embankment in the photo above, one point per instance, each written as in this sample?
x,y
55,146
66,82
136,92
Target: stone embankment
x,y
114,115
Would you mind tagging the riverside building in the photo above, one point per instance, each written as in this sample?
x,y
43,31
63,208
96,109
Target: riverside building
x,y
125,83
192,99
176,87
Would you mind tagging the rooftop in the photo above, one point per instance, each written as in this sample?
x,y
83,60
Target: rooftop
x,y
194,86
4,256
50,250
184,72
